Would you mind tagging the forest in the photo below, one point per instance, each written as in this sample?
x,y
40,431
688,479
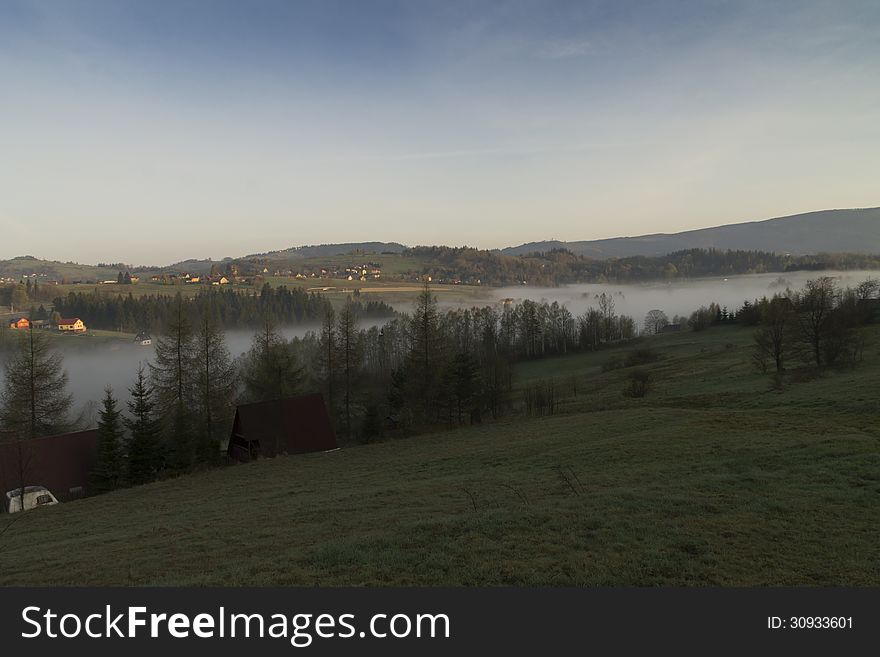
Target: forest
x,y
561,266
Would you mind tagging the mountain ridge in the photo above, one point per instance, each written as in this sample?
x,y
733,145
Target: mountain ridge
x,y
856,230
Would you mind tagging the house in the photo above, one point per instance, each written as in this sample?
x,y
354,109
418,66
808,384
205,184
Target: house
x,y
61,463
72,324
220,281
671,328
20,323
294,425
143,339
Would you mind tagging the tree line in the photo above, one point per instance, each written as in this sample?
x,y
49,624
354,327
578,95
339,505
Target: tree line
x,y
234,309
560,266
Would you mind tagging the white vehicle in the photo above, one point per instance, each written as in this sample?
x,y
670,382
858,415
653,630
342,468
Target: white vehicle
x,y
34,496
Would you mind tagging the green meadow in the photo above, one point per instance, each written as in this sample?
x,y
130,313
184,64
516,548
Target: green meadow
x,y
717,477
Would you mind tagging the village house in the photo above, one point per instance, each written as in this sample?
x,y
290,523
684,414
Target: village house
x,y
143,339
71,324
20,323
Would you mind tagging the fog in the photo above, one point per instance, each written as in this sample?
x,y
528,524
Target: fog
x,y
677,297
91,367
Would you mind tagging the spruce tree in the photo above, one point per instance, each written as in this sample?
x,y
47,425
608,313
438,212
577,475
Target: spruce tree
x,y
144,455
108,472
349,359
34,401
326,366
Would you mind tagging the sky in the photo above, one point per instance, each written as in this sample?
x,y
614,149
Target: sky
x,y
150,132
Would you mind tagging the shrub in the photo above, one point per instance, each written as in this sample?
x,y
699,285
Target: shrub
x,y
638,384
640,356
613,363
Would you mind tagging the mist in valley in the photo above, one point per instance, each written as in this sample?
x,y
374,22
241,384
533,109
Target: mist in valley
x,y
679,297
91,367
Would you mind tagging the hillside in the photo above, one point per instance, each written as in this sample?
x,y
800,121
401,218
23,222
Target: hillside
x,y
715,478
325,250
826,231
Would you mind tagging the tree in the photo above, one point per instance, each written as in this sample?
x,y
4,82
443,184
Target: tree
x,y
423,366
815,306
172,371
349,359
144,456
464,384
172,379
269,370
215,384
655,320
773,336
325,365
19,297
108,471
34,401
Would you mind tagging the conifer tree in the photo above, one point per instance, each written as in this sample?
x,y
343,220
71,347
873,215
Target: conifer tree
x,y
144,456
270,370
215,383
108,472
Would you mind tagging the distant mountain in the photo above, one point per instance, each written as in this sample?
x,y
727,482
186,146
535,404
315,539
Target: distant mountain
x,y
826,231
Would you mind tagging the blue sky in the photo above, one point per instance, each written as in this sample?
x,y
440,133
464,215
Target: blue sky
x,y
154,131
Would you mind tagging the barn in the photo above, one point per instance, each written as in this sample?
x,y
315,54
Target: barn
x,y
61,463
293,425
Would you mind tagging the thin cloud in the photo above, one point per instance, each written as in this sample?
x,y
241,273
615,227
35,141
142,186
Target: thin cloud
x,y
565,49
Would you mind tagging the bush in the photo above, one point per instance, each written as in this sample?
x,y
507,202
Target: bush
x,y
638,384
613,363
640,356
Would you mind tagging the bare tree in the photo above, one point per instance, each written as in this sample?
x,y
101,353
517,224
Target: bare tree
x,y
774,335
815,306
655,320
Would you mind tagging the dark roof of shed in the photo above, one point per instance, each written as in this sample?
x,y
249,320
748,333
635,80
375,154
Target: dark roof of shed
x,y
292,425
58,462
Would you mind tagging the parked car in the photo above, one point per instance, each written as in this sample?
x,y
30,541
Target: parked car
x,y
34,496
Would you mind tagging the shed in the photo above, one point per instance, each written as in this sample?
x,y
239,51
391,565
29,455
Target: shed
x,y
61,463
293,425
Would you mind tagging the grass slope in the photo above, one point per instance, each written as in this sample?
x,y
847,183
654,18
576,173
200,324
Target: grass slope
x,y
713,479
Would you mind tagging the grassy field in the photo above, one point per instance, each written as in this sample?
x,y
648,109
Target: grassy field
x,y
714,478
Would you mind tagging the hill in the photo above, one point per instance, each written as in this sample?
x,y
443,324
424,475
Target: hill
x,y
715,478
325,250
826,231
